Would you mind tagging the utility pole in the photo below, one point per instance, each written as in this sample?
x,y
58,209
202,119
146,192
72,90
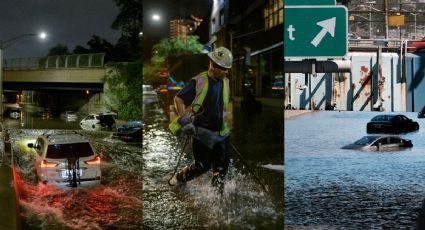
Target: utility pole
x,y
386,18
400,14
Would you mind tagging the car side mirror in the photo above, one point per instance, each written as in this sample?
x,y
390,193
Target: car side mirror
x,y
30,145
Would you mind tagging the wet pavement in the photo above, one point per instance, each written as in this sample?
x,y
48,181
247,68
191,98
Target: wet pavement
x,y
331,188
244,205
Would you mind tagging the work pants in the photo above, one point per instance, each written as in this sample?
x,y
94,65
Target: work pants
x,y
205,158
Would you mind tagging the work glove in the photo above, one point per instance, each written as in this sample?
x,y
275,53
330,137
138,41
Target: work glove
x,y
186,125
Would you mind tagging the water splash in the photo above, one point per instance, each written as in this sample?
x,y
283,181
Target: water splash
x,y
47,206
242,204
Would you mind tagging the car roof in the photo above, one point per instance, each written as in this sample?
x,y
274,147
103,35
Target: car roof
x,y
64,138
385,117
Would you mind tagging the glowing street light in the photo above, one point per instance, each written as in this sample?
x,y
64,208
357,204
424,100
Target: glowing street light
x,y
3,45
156,17
42,35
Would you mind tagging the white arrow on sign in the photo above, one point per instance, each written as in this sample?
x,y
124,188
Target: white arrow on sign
x,y
328,26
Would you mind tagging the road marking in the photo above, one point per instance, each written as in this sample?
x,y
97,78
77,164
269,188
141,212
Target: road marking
x,y
328,26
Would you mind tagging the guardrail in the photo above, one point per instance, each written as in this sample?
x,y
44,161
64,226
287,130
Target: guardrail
x,y
94,60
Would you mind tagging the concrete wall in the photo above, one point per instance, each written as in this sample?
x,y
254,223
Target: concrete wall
x,y
374,84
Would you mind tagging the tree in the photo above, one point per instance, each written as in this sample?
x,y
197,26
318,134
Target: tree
x,y
175,46
123,90
165,48
59,49
80,50
99,45
129,20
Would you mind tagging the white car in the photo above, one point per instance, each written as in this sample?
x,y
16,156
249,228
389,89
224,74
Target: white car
x,y
67,159
15,114
98,121
69,116
148,90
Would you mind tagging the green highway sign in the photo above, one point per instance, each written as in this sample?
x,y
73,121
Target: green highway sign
x,y
309,2
315,32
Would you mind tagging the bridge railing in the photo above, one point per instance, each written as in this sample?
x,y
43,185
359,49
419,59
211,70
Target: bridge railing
x,y
94,60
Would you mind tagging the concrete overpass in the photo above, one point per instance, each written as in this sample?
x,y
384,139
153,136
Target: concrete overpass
x,y
70,72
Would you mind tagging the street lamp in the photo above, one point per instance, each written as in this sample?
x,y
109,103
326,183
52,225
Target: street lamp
x,y
156,17
3,45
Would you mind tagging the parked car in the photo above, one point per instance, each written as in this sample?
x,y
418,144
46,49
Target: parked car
x,y
149,94
15,114
131,131
69,116
380,143
67,159
43,113
421,114
391,124
98,121
148,90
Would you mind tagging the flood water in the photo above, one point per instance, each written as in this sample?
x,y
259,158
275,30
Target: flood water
x,y
331,188
244,205
115,204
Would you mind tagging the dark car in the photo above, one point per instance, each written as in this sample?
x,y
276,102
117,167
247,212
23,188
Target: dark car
x,y
421,114
131,131
380,143
391,124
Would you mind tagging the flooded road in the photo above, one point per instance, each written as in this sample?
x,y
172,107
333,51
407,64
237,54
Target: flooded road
x,y
332,188
115,204
244,204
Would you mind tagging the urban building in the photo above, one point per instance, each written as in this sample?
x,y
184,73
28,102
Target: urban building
x,y
255,36
184,27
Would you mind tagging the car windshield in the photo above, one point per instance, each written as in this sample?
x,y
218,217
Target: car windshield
x,y
134,124
366,140
382,118
58,151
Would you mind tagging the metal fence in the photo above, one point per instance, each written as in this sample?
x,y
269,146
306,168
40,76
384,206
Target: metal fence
x,y
94,60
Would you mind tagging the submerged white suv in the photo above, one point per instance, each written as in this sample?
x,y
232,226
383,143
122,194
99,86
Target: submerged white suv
x,y
98,121
67,159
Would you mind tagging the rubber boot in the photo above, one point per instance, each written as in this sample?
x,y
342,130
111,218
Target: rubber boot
x,y
180,178
218,182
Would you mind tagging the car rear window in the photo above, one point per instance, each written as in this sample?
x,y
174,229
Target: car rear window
x,y
106,119
382,118
57,151
366,140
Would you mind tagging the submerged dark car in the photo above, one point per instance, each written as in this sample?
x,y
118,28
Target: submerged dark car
x,y
380,143
421,114
131,131
391,124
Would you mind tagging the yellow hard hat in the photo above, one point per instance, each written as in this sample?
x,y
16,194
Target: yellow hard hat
x,y
222,57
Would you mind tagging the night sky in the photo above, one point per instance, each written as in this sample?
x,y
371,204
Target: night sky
x,y
153,31
69,22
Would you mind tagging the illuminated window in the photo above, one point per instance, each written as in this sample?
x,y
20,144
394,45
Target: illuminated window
x,y
273,14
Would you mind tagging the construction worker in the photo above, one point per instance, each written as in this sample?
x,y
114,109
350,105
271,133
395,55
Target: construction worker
x,y
207,96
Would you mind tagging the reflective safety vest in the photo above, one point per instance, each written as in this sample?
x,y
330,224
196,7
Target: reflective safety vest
x,y
201,92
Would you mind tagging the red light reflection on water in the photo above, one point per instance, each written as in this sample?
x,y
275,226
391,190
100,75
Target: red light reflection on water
x,y
95,208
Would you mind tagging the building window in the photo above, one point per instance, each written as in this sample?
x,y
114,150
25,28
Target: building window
x,y
273,14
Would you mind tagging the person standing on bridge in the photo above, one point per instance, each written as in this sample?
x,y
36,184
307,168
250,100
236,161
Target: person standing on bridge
x,y
201,106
